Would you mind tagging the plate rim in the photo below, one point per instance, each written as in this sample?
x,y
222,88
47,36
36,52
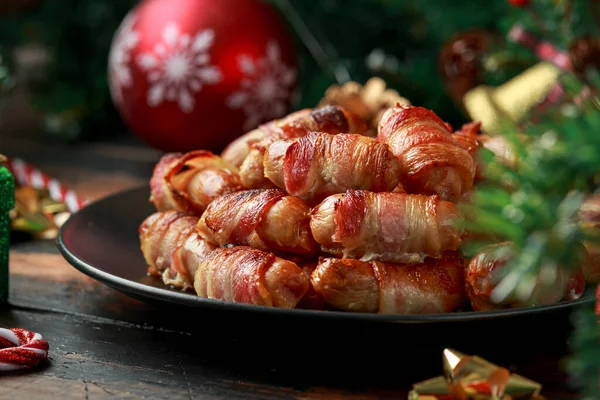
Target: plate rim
x,y
127,287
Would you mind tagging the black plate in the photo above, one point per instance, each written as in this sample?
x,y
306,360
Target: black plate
x,y
343,348
101,241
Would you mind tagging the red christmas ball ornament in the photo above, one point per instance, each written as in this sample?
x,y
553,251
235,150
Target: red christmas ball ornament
x,y
191,74
519,3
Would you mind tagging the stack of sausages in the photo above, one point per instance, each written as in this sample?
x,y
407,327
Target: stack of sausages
x,y
309,211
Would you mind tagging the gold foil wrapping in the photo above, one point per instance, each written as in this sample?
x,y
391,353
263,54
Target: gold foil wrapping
x,y
473,378
512,100
36,213
368,101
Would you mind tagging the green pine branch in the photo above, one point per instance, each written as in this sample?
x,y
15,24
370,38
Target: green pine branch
x,y
534,207
534,204
584,367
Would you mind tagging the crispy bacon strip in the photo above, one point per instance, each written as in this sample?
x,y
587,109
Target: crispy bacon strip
x,y
321,164
434,286
172,248
189,182
395,227
265,219
162,198
432,161
245,275
481,280
330,119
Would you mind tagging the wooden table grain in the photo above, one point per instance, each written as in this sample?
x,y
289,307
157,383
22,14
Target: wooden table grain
x,y
105,345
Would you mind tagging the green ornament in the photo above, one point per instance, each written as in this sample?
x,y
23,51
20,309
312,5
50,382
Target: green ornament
x,y
7,202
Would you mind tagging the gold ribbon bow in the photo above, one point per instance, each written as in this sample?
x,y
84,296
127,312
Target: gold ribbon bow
x,y
473,378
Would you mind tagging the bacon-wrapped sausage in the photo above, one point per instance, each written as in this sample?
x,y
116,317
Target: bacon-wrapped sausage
x,y
237,151
589,219
265,219
591,272
189,182
330,119
434,286
432,161
481,280
468,138
396,227
311,300
161,197
172,248
320,164
245,275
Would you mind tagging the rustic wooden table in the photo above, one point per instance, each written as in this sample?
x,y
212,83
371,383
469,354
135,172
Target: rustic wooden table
x,y
105,345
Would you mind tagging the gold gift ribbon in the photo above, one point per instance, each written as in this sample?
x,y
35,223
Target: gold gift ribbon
x,y
462,374
512,100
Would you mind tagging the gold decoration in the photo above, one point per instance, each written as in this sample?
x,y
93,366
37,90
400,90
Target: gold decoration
x,y
512,100
368,101
37,213
473,378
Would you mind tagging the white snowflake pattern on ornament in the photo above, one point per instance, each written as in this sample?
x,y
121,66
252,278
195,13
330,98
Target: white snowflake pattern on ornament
x,y
265,89
179,66
120,54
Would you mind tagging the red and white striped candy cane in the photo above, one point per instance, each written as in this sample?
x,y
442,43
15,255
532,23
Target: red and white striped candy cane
x,y
27,174
20,349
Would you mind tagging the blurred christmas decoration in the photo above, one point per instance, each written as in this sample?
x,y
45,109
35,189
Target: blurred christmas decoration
x,y
545,194
37,214
540,195
537,205
42,204
65,79
512,100
584,52
543,50
368,101
21,349
461,60
544,205
585,365
197,73
471,377
7,200
464,37
73,93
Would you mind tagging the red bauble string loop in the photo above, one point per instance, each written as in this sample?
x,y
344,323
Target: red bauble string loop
x,y
20,348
